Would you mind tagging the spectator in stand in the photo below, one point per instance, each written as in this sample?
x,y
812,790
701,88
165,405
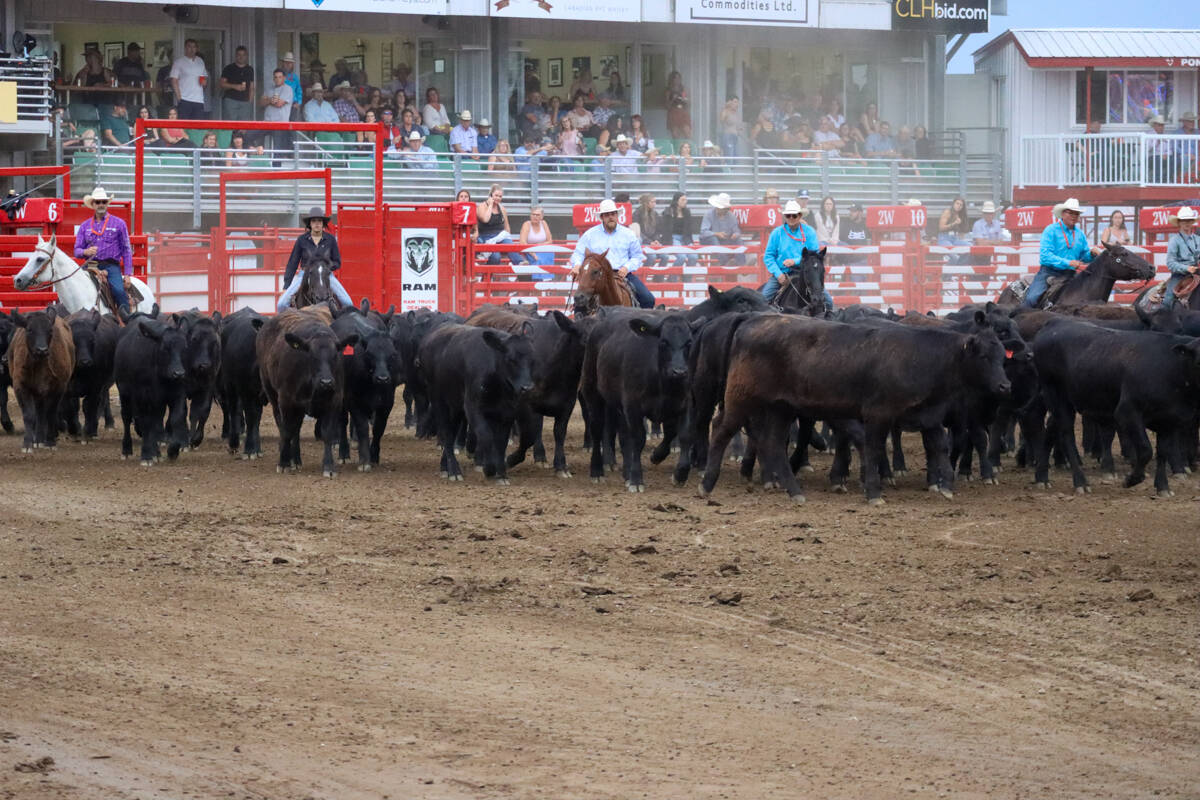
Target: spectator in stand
x,y
1187,151
806,213
345,106
238,154
953,229
582,87
881,144
922,144
418,155
115,127
813,109
764,133
493,223
905,145
95,74
684,159
854,228
555,110
679,225
1159,153
853,143
1116,232
771,197
166,94
535,231
710,158
638,138
391,131
720,227
434,115
399,103
653,161
130,70
341,72
533,120
529,148
374,100
652,228
318,109
86,142
175,137
501,159
209,142
188,78
316,72
988,230
402,81
616,89
368,136
277,107
152,135
1187,124
826,138
732,126
624,159
581,120
868,121
464,138
829,224
602,115
570,143
597,163
679,115
292,78
836,114
237,87
487,139
408,124
796,135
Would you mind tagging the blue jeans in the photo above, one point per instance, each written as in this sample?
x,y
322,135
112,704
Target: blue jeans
x,y
339,291
116,282
641,295
729,144
494,258
681,259
1169,290
732,259
1038,287
771,288
953,240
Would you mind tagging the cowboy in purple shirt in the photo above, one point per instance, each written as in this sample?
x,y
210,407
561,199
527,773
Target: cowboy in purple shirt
x,y
105,240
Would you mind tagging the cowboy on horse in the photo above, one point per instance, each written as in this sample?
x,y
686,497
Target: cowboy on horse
x,y
622,248
104,242
1183,253
314,244
1064,250
786,248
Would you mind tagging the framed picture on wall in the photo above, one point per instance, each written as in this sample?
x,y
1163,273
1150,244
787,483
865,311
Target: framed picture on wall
x,y
164,52
113,52
554,72
580,63
607,65
354,63
647,70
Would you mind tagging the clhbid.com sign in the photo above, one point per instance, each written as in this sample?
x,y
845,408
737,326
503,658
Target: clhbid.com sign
x,y
941,16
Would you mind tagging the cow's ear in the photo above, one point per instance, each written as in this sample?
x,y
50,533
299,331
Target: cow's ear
x,y
988,306
980,318
216,318
52,311
821,252
256,322
154,311
295,342
565,324
644,328
1190,350
95,317
150,332
493,340
527,327
349,340
364,306
714,292
18,318
697,324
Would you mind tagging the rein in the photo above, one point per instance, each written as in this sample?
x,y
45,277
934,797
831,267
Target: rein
x,y
49,263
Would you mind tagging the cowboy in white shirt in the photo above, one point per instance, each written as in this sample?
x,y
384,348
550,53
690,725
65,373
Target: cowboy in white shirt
x,y
624,160
464,138
987,230
621,247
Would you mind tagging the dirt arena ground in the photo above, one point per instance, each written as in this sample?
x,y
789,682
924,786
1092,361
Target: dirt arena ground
x,y
209,629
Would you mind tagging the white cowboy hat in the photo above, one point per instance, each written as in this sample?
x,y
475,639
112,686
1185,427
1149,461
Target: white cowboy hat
x,y
288,56
719,200
97,194
1184,214
483,123
317,87
707,143
1070,204
793,207
608,206
1188,117
343,85
621,138
1157,119
415,135
912,201
464,115
988,207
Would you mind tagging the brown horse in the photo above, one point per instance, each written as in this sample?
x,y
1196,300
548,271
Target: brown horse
x,y
599,285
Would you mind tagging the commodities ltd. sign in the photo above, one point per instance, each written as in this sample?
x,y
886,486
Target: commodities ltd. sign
x,y
940,16
794,13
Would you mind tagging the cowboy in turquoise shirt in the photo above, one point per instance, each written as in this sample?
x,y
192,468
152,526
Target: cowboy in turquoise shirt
x,y
1064,249
1183,252
785,250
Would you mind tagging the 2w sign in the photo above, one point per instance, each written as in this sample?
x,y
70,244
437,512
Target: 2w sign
x,y
585,215
1158,220
39,211
1029,219
895,218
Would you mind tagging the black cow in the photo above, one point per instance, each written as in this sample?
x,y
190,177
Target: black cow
x,y
1131,380
299,358
408,331
202,360
7,326
95,338
732,301
636,368
782,367
151,382
557,344
479,376
239,382
371,374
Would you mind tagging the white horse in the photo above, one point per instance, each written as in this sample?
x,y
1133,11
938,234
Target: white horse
x,y
49,266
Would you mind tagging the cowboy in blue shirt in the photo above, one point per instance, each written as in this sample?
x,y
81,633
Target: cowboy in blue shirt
x,y
623,251
1064,249
785,250
1183,252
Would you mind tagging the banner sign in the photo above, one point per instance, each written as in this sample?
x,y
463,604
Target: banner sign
x,y
436,7
786,13
940,16
585,215
895,218
419,270
600,10
1029,219
1158,219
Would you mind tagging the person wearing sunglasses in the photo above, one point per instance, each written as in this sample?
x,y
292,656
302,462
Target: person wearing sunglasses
x,y
104,239
785,250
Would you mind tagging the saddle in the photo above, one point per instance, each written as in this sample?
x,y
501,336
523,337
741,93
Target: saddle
x,y
1054,287
100,278
1152,301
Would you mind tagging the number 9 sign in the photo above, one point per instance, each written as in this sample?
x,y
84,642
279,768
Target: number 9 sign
x,y
772,216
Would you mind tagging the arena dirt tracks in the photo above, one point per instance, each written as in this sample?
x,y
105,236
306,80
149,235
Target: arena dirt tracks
x,y
215,630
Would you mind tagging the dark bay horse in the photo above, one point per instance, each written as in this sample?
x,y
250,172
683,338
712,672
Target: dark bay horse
x,y
1095,283
803,289
314,286
599,285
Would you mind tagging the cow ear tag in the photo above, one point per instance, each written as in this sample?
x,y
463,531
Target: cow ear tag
x,y
348,350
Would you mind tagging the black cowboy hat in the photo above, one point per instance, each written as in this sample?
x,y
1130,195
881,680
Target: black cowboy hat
x,y
316,212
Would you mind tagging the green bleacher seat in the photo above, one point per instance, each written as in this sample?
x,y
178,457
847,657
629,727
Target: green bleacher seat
x,y
224,139
83,112
667,148
438,143
589,145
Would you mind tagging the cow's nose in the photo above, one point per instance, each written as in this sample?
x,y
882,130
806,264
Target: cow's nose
x,y
41,352
1004,388
85,362
325,383
383,379
678,372
176,374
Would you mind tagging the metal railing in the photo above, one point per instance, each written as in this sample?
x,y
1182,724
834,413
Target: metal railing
x,y
187,180
34,94
1103,159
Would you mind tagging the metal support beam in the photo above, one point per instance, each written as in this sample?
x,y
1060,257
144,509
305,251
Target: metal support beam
x,y
959,41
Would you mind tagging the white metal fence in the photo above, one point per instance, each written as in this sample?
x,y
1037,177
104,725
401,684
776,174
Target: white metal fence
x,y
1102,159
34,94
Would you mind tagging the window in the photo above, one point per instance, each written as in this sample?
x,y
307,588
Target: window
x,y
1125,97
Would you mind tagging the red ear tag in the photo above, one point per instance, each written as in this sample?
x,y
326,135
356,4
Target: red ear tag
x,y
348,350
1008,353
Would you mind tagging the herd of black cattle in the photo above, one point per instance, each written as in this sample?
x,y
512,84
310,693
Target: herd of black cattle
x,y
750,373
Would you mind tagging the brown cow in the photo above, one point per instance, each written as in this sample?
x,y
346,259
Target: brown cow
x,y
41,358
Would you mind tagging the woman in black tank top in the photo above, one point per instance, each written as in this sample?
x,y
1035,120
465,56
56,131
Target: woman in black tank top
x,y
95,74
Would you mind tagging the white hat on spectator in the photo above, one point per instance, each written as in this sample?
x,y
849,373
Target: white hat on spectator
x,y
912,201
483,123
464,115
621,138
988,207
415,135
719,200
707,143
793,207
343,85
1070,204
97,194
1157,119
289,56
1190,116
607,206
1183,215
317,87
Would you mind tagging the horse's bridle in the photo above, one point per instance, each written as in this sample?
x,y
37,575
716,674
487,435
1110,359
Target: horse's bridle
x,y
49,262
1117,260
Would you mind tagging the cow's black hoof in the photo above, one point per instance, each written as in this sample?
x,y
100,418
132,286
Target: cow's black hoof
x,y
503,482
147,462
635,488
946,493
542,464
364,467
891,482
876,501
1041,484
1163,494
328,473
563,473
1082,490
806,468
838,488
798,499
991,482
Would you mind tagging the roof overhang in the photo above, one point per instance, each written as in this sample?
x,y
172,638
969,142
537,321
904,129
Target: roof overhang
x,y
1082,48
